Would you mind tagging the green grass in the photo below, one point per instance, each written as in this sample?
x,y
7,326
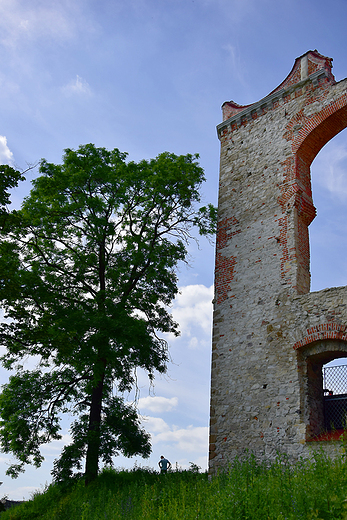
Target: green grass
x,y
311,489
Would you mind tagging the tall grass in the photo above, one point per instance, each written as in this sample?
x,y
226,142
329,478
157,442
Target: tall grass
x,y
311,489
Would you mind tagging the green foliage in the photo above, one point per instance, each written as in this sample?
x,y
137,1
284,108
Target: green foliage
x,y
9,178
119,432
87,272
311,489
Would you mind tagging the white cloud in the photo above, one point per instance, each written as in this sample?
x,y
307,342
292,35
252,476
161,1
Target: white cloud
x,y
157,404
21,21
192,309
193,343
190,440
6,156
236,67
329,169
155,424
79,86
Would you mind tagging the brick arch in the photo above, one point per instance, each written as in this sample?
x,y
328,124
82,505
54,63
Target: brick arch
x,y
324,331
317,349
309,134
319,129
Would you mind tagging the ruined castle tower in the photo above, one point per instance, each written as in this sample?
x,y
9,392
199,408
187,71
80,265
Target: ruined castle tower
x,y
271,336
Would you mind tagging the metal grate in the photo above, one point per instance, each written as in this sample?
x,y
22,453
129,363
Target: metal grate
x,y
335,379
335,397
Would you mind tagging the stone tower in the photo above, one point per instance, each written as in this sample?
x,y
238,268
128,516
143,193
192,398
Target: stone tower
x,y
271,336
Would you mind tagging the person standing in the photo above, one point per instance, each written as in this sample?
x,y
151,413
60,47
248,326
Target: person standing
x,y
164,464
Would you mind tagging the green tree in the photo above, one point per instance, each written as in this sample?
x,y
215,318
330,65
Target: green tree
x,y
9,178
87,273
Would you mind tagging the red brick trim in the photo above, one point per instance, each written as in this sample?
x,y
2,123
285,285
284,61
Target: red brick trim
x,y
224,275
225,231
329,330
320,128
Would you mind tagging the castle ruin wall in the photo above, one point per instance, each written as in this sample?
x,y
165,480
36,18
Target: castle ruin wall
x,y
270,334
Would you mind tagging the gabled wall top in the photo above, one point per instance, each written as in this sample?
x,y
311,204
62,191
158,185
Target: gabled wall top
x,y
308,65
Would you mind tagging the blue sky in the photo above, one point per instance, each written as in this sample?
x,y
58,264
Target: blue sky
x,y
148,76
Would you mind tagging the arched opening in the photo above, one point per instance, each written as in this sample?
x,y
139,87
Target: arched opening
x,y
328,231
315,133
324,387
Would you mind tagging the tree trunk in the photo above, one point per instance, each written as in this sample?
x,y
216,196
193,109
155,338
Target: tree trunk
x,y
93,440
92,458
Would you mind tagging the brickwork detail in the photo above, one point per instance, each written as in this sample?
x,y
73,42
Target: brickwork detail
x,y
270,333
323,331
224,276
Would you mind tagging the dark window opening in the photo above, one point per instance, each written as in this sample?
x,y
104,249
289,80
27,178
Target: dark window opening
x,y
323,388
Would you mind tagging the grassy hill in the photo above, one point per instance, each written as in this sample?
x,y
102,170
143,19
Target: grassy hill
x,y
312,489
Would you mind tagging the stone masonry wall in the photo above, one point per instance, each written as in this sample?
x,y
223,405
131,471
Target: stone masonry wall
x,y
270,335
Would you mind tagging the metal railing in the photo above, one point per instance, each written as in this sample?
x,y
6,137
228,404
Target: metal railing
x,y
335,397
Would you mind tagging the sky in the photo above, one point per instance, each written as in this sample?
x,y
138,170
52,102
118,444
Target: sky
x,y
148,76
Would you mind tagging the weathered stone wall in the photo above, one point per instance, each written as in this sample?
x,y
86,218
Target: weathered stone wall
x,y
270,335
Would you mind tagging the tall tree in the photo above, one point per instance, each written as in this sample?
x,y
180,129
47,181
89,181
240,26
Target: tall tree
x,y
87,274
